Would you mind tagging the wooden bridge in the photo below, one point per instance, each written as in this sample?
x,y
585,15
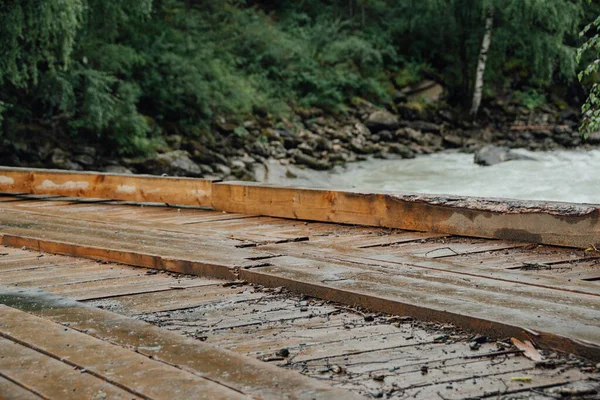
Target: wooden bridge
x,y
262,291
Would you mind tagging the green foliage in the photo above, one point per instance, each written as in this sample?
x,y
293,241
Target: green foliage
x,y
448,35
36,35
531,99
591,109
126,72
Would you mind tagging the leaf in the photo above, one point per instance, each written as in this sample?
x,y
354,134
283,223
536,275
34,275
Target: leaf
x,y
527,348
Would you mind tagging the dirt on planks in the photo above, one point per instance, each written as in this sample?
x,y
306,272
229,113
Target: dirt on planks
x,y
375,354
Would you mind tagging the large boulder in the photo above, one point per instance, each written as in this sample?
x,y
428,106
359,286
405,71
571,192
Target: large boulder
x,y
178,163
380,120
491,155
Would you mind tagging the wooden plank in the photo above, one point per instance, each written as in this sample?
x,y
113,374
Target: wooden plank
x,y
473,305
51,378
12,391
270,337
140,188
28,264
172,299
453,247
134,258
113,364
65,276
129,286
562,224
400,264
493,385
243,374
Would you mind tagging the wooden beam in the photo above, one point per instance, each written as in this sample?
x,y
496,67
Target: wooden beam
x,y
561,224
138,188
553,223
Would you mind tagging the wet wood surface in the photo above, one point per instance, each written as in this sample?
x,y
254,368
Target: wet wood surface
x,y
196,337
503,288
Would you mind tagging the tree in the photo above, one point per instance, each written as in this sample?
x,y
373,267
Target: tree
x,y
456,37
590,120
481,62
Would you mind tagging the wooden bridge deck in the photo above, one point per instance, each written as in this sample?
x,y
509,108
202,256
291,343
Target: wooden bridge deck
x,y
72,328
526,288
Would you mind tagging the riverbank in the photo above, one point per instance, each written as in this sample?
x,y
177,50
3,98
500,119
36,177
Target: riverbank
x,y
312,139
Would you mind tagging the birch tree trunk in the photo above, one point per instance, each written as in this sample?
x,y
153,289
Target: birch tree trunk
x,y
483,54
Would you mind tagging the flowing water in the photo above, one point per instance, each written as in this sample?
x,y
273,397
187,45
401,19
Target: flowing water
x,y
571,176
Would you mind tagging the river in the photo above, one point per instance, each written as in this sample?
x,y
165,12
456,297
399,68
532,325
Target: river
x,y
571,176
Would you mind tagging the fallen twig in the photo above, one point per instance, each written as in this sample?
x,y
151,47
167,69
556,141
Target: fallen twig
x,y
494,354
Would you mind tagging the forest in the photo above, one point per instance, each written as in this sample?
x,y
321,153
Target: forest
x,y
208,87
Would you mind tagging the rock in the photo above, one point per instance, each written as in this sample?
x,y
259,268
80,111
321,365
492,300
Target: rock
x,y
59,157
427,91
411,135
222,169
453,141
306,148
178,163
362,129
430,139
206,169
491,155
237,165
425,126
402,150
558,129
290,141
88,150
409,111
117,169
359,145
310,161
84,159
384,135
202,155
380,120
260,148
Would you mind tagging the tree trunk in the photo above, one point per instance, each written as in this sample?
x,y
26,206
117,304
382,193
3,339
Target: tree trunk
x,y
483,54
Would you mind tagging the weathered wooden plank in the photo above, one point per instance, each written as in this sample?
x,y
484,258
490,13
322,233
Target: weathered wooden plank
x,y
172,299
128,286
12,391
113,364
490,310
492,386
64,276
304,333
51,378
141,188
562,224
123,256
400,264
243,374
